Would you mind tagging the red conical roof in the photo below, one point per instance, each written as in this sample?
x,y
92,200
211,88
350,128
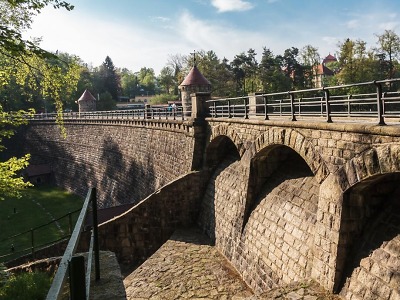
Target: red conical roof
x,y
195,78
87,96
329,58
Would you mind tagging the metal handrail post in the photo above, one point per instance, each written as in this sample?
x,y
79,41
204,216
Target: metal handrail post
x,y
265,108
77,287
33,243
229,109
215,109
246,110
328,106
348,104
292,108
379,103
95,236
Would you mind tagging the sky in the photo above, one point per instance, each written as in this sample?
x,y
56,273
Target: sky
x,y
146,33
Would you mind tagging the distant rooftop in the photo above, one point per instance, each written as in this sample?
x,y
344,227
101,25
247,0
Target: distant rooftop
x,y
87,96
195,78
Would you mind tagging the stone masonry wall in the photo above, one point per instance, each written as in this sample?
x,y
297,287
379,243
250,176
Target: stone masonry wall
x,y
126,161
139,232
339,157
276,218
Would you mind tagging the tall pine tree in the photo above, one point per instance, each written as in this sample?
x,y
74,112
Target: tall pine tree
x,y
111,81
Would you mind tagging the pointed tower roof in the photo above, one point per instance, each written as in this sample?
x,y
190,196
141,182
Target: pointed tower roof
x,y
87,96
195,78
329,58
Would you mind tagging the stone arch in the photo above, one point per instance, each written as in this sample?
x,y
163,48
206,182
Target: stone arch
x,y
228,131
369,235
280,213
294,140
222,162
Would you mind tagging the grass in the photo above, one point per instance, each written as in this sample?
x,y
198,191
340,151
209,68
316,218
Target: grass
x,y
26,286
38,206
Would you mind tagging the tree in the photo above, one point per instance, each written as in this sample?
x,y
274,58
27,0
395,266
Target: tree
x,y
271,74
292,69
15,16
166,79
109,78
389,46
244,67
129,83
10,182
310,59
147,81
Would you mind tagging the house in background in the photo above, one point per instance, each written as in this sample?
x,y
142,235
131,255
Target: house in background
x,y
322,72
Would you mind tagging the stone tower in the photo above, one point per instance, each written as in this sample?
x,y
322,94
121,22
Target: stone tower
x,y
194,82
87,102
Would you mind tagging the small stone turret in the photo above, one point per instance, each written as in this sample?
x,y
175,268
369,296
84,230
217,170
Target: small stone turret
x,y
87,102
194,82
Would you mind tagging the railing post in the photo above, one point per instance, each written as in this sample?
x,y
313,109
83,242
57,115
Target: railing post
x,y
70,223
229,109
292,108
328,106
215,109
265,108
95,236
77,285
348,104
300,106
246,109
32,243
379,103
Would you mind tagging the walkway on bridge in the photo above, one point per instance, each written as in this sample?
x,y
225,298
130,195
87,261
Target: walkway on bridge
x,y
188,267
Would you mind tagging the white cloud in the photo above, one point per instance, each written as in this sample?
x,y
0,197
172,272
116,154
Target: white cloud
x,y
353,24
231,5
225,41
160,19
389,25
129,45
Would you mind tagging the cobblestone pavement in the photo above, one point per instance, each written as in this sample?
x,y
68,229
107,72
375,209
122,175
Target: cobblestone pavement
x,y
188,267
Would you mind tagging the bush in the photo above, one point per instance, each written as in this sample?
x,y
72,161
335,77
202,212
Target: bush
x,y
26,286
163,99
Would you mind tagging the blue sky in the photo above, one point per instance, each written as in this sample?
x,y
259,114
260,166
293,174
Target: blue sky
x,y
145,33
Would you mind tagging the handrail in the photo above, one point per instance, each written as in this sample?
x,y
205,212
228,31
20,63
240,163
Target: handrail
x,y
68,262
149,113
35,247
329,102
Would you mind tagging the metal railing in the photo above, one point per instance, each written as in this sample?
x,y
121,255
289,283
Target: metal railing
x,y
17,242
150,113
326,102
79,283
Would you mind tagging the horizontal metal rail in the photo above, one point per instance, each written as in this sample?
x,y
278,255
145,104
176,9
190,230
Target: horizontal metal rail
x,y
150,113
14,243
327,102
67,262
324,102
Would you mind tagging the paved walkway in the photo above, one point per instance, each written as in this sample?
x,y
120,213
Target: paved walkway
x,y
188,267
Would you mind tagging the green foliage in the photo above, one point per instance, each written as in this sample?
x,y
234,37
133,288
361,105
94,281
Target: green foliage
x,y
11,183
147,81
106,102
163,99
24,286
129,83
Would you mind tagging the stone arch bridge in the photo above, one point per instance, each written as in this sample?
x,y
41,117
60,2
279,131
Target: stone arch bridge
x,y
282,200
